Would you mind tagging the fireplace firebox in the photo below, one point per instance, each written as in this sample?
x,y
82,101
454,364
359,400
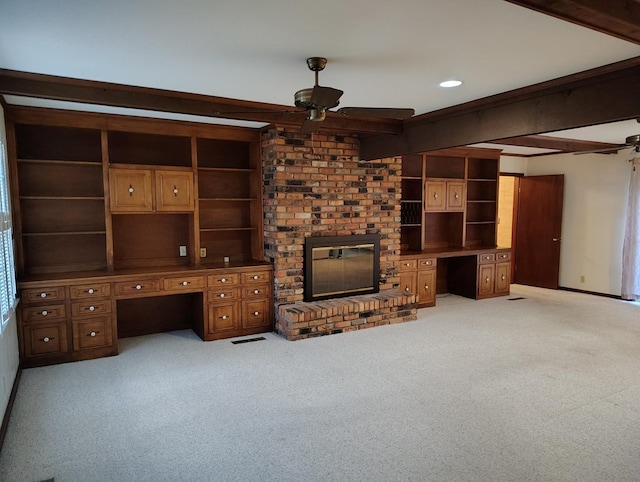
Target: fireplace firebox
x,y
338,266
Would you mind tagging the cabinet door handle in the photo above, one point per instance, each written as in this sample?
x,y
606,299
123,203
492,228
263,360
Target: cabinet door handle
x,y
93,333
224,317
131,190
486,280
435,195
46,339
456,196
256,313
426,287
255,292
407,289
175,191
44,312
502,277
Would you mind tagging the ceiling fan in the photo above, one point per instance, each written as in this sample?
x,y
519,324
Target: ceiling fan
x,y
318,99
630,142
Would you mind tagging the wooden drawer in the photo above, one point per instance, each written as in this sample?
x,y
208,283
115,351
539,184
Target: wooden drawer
x,y
221,280
487,258
256,292
426,263
183,283
137,287
90,308
223,295
43,313
92,333
223,317
408,264
87,291
503,256
256,277
256,314
41,295
49,339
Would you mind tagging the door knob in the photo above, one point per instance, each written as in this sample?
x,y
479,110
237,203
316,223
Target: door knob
x,y
557,239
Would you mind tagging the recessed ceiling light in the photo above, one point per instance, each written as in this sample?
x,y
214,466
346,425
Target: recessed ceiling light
x,y
450,83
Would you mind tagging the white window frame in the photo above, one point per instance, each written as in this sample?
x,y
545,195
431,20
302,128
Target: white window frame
x,y
8,299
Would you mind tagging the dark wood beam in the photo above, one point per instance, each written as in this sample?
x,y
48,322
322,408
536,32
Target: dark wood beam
x,y
103,93
597,96
558,143
619,18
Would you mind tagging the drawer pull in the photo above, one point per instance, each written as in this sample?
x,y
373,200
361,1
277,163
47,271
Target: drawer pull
x,y
43,295
92,308
256,313
255,276
224,317
456,196
46,339
426,287
90,291
407,264
502,277
223,280
93,333
221,295
407,289
175,191
44,312
486,280
427,263
255,292
131,190
435,195
138,287
184,283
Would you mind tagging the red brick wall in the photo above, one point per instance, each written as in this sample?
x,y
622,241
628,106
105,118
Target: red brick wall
x,y
315,185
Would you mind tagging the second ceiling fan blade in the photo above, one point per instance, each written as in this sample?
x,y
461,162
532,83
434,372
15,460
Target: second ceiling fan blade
x,y
326,97
383,112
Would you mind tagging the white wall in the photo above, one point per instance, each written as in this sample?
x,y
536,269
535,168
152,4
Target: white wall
x,y
595,203
9,337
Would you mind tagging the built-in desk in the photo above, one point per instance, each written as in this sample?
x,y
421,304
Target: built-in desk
x,y
77,316
476,273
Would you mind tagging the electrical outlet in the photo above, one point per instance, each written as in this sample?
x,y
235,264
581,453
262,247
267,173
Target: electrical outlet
x,y
226,259
203,252
183,250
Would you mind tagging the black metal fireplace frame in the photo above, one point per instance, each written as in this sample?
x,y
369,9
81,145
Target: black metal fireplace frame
x,y
330,241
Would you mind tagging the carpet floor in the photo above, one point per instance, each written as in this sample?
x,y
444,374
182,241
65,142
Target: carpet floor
x,y
543,388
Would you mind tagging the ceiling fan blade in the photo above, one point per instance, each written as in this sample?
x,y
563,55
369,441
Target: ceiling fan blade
x,y
326,97
310,126
383,112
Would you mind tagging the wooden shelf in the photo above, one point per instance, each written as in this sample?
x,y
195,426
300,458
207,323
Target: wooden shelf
x,y
225,199
224,169
65,233
61,162
212,230
63,198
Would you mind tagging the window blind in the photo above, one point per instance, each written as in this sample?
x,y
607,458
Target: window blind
x,y
8,279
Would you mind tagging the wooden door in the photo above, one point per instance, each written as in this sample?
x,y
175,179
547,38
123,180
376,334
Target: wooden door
x,y
455,196
130,190
538,231
486,279
174,190
427,287
434,196
503,278
408,282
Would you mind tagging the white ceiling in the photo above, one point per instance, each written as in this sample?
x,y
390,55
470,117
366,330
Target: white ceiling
x,y
392,54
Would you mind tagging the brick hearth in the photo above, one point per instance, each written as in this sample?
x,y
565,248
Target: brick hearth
x,y
315,185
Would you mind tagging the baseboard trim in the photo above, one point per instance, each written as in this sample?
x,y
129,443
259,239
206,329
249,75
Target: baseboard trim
x,y
595,293
7,413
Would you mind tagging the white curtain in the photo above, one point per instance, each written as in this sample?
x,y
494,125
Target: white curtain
x,y
631,248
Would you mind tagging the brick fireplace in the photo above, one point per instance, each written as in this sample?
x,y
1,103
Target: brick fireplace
x,y
315,185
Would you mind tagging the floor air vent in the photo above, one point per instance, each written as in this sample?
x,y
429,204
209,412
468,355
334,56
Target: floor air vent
x,y
248,340
516,299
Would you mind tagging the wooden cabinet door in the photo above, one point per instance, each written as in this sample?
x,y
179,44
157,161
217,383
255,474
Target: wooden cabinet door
x,y
455,196
503,278
256,314
427,287
223,317
434,196
130,190
408,282
486,279
45,339
174,191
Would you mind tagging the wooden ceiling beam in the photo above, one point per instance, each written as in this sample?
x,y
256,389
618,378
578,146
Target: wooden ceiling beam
x,y
67,89
597,96
557,143
619,18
